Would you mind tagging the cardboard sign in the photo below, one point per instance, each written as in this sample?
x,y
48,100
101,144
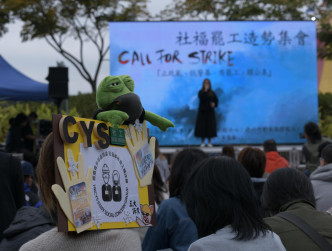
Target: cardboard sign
x,y
117,200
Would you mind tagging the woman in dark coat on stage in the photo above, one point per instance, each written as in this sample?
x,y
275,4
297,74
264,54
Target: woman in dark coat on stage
x,y
206,119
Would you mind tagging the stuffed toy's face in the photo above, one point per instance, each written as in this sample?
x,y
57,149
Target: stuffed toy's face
x,y
112,87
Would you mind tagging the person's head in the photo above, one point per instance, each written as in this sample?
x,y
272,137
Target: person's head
x,y
228,150
327,155
32,116
181,167
218,193
45,173
311,132
254,160
12,121
28,172
21,119
284,186
270,145
322,146
206,84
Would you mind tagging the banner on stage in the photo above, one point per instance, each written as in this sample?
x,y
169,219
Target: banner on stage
x,y
264,74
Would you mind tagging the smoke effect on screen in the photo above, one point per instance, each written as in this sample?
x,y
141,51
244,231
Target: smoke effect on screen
x,y
264,74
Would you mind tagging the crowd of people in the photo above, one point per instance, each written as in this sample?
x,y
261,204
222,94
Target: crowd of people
x,y
21,143
21,138
22,215
251,200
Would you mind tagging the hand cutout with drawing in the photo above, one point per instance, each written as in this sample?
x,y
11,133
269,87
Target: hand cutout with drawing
x,y
75,200
137,142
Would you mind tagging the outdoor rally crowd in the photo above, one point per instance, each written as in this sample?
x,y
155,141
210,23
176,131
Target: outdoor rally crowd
x,y
246,201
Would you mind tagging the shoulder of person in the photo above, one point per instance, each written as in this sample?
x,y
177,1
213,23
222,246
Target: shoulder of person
x,y
42,242
197,246
326,139
6,157
273,222
118,239
171,206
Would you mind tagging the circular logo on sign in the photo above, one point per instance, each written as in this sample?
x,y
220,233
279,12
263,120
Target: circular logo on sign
x,y
110,187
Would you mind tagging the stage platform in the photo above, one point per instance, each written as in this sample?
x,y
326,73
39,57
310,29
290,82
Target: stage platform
x,y
293,153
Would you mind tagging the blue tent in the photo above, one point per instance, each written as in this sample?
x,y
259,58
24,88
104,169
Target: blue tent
x,y
18,87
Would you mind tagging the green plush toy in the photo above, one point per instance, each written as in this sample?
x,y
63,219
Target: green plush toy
x,y
118,104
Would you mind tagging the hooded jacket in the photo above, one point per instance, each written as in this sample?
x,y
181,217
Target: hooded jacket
x,y
274,161
28,224
321,180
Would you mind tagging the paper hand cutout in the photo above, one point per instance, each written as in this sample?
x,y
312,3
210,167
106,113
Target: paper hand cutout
x,y
135,142
63,197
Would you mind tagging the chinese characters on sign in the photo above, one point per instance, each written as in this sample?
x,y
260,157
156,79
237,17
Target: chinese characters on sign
x,y
217,38
231,134
250,72
206,55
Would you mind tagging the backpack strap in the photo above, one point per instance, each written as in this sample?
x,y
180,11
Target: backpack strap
x,y
307,229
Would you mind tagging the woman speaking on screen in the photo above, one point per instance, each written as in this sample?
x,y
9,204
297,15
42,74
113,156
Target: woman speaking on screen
x,y
206,119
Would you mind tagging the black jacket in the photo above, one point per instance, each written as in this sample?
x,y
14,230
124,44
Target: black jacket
x,y
206,126
28,224
11,189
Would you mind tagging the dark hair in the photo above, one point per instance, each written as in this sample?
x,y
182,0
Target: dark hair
x,y
322,146
33,114
20,118
158,185
157,151
283,186
311,129
209,84
182,166
218,193
228,150
45,173
254,160
327,154
270,145
12,121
